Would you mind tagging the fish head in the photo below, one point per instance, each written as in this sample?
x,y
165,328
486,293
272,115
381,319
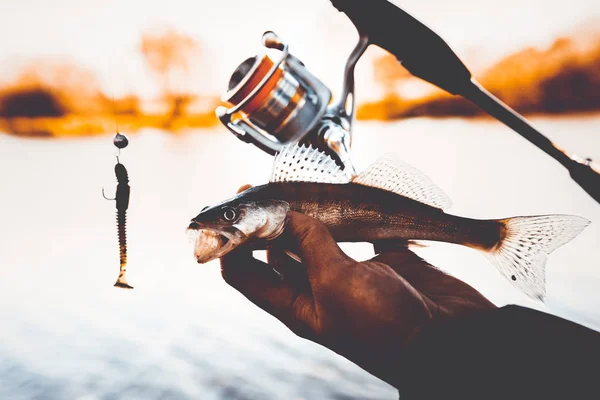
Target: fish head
x,y
219,229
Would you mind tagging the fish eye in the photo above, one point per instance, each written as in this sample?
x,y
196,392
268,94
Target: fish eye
x,y
229,214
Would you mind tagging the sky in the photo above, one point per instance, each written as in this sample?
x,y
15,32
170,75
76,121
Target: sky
x,y
104,35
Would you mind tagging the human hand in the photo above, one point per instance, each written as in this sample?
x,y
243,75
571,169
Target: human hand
x,y
367,311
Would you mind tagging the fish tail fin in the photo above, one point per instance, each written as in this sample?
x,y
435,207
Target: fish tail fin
x,y
520,255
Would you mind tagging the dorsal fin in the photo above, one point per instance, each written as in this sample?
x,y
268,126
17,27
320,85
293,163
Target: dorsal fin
x,y
395,176
299,163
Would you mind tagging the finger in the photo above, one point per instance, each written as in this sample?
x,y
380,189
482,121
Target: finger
x,y
390,245
396,254
419,273
292,271
258,282
424,277
407,264
312,241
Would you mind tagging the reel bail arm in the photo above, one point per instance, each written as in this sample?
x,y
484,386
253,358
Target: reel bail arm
x,y
336,130
345,107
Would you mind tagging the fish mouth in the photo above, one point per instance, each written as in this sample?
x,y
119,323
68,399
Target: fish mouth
x,y
210,244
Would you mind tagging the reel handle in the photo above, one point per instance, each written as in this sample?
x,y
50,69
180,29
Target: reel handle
x,y
420,50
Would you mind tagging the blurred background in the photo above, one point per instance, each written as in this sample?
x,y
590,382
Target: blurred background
x,y
71,71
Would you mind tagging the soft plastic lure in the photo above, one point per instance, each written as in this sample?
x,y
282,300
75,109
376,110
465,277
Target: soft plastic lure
x,y
122,201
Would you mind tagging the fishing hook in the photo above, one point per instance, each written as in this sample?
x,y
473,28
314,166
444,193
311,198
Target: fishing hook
x,y
103,195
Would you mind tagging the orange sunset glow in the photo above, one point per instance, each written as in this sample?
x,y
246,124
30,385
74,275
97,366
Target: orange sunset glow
x,y
147,69
561,79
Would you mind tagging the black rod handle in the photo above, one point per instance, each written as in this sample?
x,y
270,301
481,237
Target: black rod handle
x,y
420,50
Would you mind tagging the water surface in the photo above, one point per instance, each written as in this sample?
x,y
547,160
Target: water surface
x,y
183,333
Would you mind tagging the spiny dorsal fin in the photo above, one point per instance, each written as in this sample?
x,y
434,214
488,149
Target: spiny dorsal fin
x,y
395,176
299,163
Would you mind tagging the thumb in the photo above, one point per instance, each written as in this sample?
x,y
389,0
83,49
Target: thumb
x,y
259,283
313,243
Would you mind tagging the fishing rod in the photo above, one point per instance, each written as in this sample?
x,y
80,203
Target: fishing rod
x,y
275,100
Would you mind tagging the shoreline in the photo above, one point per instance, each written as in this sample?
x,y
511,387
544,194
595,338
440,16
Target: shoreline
x,y
71,126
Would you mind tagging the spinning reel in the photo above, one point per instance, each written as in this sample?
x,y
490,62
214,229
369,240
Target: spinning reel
x,y
276,102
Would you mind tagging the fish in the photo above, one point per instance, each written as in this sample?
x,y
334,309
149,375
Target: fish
x,y
390,200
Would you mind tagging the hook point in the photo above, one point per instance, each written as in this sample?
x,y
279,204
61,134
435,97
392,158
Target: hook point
x,y
104,195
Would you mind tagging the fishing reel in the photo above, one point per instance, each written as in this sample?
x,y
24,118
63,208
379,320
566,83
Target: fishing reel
x,y
275,100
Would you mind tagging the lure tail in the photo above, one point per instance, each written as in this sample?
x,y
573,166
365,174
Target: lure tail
x,y
520,255
121,226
